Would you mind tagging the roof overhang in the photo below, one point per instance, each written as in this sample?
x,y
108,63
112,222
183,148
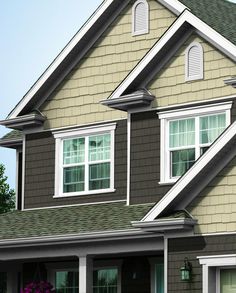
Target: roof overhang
x,y
174,5
231,81
137,99
95,237
11,143
166,225
25,121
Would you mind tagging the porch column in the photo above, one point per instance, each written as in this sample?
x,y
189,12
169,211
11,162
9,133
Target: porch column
x,y
12,281
85,274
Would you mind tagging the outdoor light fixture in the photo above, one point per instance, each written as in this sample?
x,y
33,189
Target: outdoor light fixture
x,y
186,270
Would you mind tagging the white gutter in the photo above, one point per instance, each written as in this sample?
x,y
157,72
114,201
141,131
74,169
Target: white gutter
x,y
76,238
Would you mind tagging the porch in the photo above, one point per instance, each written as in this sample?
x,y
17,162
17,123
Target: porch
x,y
134,264
126,274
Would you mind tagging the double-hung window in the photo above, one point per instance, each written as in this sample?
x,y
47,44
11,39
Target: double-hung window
x,y
187,134
85,161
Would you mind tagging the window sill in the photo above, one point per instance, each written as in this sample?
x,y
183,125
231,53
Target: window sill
x,y
101,191
171,182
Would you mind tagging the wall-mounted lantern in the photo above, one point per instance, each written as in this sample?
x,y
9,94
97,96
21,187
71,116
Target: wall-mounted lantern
x,y
186,270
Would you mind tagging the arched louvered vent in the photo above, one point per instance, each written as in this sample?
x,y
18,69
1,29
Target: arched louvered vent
x,y
140,17
194,62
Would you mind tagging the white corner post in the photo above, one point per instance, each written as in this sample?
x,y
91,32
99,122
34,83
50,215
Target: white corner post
x,y
85,274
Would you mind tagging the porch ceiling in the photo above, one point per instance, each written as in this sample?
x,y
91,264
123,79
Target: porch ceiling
x,y
70,220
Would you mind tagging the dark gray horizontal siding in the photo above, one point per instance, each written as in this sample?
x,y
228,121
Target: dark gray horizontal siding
x,y
40,171
233,112
192,247
145,158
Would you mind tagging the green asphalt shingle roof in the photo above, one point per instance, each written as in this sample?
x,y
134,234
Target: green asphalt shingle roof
x,y
12,135
219,14
70,220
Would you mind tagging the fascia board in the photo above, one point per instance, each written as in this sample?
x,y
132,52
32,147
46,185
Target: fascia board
x,y
174,5
182,183
11,143
75,238
211,35
65,52
202,29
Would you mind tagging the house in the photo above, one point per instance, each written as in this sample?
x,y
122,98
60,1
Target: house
x,y
126,156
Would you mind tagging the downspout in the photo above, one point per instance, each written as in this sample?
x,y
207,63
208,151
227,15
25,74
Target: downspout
x,y
165,264
23,173
128,156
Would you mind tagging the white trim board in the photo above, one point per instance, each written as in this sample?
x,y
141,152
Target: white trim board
x,y
174,5
202,29
182,183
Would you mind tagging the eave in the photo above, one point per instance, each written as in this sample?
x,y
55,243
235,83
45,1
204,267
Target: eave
x,y
76,238
165,225
11,143
135,100
21,122
231,81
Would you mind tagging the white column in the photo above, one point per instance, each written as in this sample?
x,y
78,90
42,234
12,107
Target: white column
x,y
205,279
85,274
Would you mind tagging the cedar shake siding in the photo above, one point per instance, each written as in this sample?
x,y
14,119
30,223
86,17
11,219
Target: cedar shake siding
x,y
40,171
191,247
145,158
169,85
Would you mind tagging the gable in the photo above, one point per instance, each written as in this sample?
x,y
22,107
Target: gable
x,y
76,100
169,85
215,206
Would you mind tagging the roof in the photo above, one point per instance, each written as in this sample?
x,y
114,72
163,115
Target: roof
x,y
213,12
12,135
12,139
70,220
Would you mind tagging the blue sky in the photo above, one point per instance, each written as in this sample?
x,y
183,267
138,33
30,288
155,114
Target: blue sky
x,y
32,34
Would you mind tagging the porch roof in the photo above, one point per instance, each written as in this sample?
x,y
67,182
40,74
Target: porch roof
x,y
70,220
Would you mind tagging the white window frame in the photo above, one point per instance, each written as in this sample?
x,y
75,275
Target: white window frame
x,y
110,264
60,136
211,265
201,61
145,30
52,268
167,116
218,276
